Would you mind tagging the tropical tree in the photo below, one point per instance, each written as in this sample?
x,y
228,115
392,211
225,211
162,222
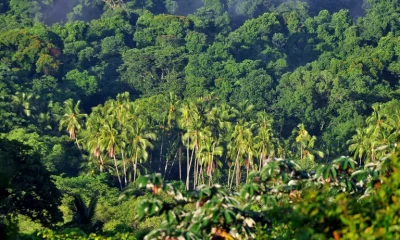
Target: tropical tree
x,y
83,214
138,142
92,135
189,114
109,142
241,149
305,145
263,142
208,153
360,145
72,119
121,109
22,103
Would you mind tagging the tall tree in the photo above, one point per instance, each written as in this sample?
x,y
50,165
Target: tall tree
x,y
263,142
72,119
108,142
139,141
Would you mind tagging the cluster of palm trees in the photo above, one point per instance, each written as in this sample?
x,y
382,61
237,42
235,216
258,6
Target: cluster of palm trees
x,y
210,136
382,129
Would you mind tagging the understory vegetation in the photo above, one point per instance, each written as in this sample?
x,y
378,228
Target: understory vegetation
x,y
190,119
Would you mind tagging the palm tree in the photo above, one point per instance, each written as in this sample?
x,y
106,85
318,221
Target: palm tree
x,y
121,109
83,214
364,144
263,140
92,135
72,119
220,118
189,113
173,102
207,153
358,145
108,142
168,121
241,147
303,138
138,142
195,134
305,143
244,110
22,103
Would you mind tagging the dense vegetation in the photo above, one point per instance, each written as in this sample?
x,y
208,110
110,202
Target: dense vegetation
x,y
189,119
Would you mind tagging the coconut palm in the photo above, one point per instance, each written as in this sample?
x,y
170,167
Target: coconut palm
x,y
263,142
173,102
195,134
21,102
121,109
83,214
241,147
305,144
220,118
108,142
92,135
364,144
72,119
189,117
167,124
138,141
208,154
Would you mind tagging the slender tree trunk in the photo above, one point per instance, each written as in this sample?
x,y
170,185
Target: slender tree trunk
x,y
195,172
234,170
192,157
237,167
211,165
123,162
229,174
233,175
116,168
135,169
203,169
180,163
301,152
261,158
201,175
77,144
209,173
161,150
172,166
238,175
166,165
188,164
102,163
79,147
247,174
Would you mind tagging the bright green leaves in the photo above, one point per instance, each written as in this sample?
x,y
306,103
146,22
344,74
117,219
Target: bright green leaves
x,y
161,30
83,82
379,134
217,213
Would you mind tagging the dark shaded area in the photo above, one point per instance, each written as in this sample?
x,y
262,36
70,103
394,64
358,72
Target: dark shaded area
x,y
26,187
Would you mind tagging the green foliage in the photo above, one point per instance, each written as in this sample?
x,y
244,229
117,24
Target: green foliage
x,y
203,92
73,233
311,213
26,185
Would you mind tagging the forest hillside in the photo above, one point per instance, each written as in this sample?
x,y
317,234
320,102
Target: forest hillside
x,y
199,119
